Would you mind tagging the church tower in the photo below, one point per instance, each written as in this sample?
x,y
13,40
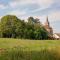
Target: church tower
x,y
48,28
47,22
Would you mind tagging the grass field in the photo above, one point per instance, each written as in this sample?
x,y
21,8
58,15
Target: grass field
x,y
20,49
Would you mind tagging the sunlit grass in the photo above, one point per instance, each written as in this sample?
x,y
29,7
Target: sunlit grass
x,y
20,49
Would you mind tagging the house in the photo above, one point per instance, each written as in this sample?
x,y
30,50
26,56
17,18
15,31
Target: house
x,y
56,36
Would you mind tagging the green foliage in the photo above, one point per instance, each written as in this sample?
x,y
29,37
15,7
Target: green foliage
x,y
8,26
31,20
12,27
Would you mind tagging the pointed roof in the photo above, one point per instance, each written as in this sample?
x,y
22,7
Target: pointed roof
x,y
47,22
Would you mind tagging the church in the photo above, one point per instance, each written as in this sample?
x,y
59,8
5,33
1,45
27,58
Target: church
x,y
48,28
50,31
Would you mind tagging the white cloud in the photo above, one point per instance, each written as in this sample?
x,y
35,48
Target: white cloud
x,y
2,6
16,3
54,16
18,13
44,3
41,3
13,4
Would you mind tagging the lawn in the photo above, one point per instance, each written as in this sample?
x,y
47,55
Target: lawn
x,y
20,49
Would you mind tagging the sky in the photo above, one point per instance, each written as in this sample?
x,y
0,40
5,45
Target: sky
x,y
35,8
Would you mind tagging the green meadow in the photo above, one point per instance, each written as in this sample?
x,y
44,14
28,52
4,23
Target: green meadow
x,y
21,49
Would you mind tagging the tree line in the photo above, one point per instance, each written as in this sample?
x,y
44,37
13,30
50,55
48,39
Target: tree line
x,y
13,27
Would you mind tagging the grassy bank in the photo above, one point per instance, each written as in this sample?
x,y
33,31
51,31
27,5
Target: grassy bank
x,y
17,49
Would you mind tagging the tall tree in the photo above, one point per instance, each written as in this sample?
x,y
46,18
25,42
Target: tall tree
x,y
8,25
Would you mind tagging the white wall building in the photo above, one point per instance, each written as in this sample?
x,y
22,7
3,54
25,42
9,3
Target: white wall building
x,y
56,36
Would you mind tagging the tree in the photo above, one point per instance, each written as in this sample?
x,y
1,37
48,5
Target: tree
x,y
38,30
8,25
31,20
20,28
12,27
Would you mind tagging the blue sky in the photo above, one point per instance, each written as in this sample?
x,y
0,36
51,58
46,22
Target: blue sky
x,y
36,8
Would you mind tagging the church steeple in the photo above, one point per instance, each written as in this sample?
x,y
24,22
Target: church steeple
x,y
47,22
47,27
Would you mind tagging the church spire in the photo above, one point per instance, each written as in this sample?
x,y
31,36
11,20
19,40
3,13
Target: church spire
x,y
48,28
47,22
